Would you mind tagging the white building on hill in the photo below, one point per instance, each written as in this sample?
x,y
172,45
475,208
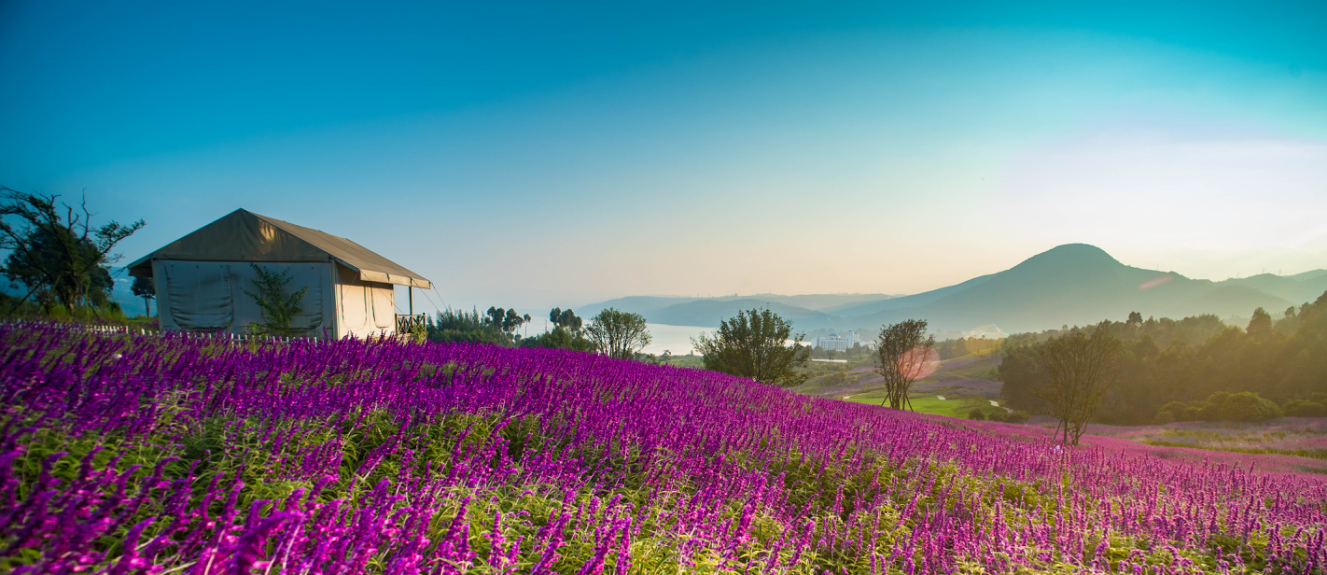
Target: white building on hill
x,y
836,342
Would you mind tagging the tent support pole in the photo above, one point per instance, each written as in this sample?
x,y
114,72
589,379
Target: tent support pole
x,y
410,295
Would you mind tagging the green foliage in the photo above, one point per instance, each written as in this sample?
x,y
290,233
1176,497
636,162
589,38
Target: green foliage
x,y
902,353
56,253
1079,370
566,318
618,333
1224,406
952,348
456,326
145,288
992,413
560,338
1304,408
835,379
279,309
506,320
1017,416
1168,369
754,344
566,333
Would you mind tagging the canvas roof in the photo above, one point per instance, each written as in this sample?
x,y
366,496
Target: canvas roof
x,y
243,236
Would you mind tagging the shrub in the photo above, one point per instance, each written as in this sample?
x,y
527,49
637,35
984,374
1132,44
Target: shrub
x,y
1173,411
834,379
1246,406
977,415
1304,408
1018,416
1192,413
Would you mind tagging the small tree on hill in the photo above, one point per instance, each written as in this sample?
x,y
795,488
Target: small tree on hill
x,y
618,333
755,344
1080,370
903,353
143,287
279,310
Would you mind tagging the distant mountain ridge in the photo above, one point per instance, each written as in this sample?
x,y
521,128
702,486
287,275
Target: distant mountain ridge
x,y
1072,284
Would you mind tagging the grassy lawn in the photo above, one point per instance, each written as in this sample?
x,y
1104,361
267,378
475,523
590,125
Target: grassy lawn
x,y
951,406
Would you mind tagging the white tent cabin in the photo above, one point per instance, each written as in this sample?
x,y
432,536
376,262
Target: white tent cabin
x,y
201,278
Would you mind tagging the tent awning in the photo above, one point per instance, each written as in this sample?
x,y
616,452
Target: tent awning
x,y
244,236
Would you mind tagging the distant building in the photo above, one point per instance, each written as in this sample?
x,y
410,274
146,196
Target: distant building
x,y
201,278
836,342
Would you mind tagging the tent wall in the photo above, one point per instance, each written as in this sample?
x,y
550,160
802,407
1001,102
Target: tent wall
x,y
209,296
243,236
365,308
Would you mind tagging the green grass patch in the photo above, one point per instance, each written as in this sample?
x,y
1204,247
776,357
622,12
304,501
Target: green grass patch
x,y
951,406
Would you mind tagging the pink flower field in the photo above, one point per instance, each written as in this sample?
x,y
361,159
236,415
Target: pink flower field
x,y
142,454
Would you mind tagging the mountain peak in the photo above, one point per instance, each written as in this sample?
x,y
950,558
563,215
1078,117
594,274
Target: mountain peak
x,y
1071,255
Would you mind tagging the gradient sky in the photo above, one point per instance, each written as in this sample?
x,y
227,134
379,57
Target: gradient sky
x,y
532,157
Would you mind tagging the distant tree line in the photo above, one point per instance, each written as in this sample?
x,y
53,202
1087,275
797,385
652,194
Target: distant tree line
x,y
610,332
959,347
1195,368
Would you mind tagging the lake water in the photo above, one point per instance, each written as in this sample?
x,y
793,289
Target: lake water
x,y
674,338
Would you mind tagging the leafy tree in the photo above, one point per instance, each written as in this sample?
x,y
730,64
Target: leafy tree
x,y
506,320
1079,371
1226,406
559,338
56,250
566,333
1260,326
1305,408
455,326
1169,369
903,353
618,333
754,344
143,287
278,309
571,321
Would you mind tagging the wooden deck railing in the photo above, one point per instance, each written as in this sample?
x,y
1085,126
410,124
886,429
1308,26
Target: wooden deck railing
x,y
406,323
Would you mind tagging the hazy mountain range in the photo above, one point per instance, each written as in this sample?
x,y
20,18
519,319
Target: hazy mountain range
x,y
1073,284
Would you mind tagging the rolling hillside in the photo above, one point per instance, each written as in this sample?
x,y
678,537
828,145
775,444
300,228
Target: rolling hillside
x,y
1077,284
1070,284
708,312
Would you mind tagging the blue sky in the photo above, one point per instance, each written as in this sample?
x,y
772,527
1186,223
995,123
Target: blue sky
x,y
557,155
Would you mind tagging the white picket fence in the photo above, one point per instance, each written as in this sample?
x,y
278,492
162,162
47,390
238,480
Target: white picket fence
x,y
138,332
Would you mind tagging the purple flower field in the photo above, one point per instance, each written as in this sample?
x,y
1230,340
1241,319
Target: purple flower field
x,y
122,454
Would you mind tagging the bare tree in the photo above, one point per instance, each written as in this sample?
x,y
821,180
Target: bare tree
x,y
903,353
1081,370
618,333
56,251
